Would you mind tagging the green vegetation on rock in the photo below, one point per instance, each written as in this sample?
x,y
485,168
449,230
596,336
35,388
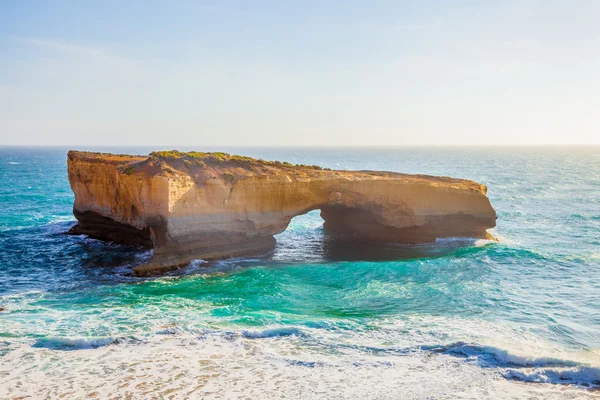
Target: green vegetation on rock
x,y
202,159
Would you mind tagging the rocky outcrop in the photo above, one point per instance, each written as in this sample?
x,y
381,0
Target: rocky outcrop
x,y
214,205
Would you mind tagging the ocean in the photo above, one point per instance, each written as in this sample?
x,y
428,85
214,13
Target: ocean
x,y
314,319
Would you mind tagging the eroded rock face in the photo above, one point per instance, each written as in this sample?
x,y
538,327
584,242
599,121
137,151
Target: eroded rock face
x,y
212,205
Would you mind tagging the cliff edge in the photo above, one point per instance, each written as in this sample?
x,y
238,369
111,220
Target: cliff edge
x,y
214,205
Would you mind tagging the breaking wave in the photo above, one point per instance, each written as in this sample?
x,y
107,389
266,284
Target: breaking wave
x,y
62,343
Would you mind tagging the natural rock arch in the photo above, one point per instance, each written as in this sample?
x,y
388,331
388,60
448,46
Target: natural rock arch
x,y
213,205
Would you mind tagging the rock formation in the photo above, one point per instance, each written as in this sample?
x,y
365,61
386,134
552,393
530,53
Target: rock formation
x,y
214,205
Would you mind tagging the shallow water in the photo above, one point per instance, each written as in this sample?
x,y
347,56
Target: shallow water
x,y
315,318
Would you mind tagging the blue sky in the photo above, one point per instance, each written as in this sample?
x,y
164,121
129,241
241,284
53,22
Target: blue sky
x,y
209,73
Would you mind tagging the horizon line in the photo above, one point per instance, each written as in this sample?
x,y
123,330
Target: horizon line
x,y
173,146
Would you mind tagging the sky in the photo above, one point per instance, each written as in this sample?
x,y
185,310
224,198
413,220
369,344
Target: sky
x,y
300,73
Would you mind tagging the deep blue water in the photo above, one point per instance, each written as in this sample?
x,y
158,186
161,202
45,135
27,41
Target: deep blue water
x,y
525,309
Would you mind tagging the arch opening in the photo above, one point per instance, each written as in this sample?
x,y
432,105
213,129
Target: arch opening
x,y
302,240
328,234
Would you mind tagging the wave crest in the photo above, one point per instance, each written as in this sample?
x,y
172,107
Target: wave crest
x,y
63,343
582,376
270,333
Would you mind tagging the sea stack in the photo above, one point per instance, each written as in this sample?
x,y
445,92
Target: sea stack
x,y
198,205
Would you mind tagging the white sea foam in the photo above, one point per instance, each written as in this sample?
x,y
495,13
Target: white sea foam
x,y
225,368
414,358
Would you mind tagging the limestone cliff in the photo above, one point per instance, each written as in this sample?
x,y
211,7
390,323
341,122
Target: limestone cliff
x,y
213,205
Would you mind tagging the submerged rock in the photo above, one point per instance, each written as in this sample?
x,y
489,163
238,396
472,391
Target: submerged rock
x,y
214,205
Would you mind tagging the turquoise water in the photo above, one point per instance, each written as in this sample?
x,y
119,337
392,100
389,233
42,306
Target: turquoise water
x,y
459,317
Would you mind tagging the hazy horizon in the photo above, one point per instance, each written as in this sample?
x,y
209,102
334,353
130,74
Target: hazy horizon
x,y
230,74
214,147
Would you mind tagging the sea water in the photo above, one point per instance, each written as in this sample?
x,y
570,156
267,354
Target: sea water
x,y
458,318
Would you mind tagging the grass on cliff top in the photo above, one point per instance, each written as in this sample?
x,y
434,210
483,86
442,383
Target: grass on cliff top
x,y
198,158
97,157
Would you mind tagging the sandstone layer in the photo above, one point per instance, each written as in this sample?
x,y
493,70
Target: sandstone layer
x,y
196,205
